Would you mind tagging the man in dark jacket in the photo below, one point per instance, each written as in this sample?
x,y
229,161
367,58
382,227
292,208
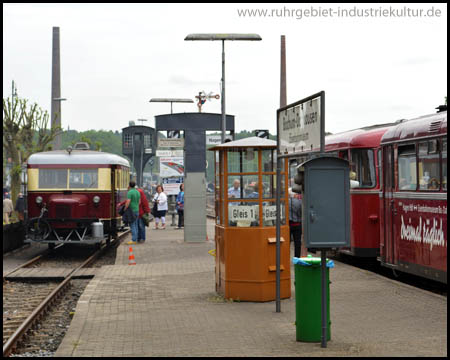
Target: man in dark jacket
x,y
20,206
295,221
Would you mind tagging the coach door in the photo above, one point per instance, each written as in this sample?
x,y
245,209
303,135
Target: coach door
x,y
389,204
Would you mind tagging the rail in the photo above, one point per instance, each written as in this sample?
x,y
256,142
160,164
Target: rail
x,y
41,308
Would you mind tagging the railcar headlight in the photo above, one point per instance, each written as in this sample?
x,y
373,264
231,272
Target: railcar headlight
x,y
96,199
39,200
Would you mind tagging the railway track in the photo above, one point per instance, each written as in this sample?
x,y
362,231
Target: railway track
x,y
17,322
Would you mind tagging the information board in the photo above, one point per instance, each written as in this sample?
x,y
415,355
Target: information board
x,y
172,185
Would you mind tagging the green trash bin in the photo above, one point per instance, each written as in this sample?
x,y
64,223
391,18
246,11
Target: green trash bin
x,y
308,298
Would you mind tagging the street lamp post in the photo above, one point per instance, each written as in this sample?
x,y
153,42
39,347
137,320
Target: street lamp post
x,y
223,37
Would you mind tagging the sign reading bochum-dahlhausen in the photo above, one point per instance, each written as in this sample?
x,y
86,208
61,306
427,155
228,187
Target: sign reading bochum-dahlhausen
x,y
300,126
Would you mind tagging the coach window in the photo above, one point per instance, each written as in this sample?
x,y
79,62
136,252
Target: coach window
x,y
83,178
364,167
52,178
444,165
429,178
407,179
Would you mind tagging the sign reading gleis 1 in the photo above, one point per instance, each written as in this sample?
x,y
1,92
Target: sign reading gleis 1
x,y
300,125
251,212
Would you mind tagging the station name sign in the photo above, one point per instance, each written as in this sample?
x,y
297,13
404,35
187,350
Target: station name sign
x,y
216,139
168,153
174,142
301,125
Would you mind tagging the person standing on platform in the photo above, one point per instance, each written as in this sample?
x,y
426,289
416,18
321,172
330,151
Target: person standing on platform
x,y
20,206
295,221
180,207
144,208
235,190
7,208
133,201
160,199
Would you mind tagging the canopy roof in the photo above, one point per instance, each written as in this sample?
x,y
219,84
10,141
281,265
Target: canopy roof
x,y
247,142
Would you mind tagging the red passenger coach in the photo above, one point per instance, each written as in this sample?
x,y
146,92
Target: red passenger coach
x,y
72,196
362,148
414,197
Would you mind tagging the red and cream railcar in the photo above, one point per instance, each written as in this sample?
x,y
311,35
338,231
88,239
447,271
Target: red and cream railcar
x,y
361,147
72,195
414,197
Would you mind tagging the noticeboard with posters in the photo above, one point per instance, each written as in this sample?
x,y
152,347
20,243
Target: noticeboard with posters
x,y
172,185
171,166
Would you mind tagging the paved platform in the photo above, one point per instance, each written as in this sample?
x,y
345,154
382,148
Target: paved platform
x,y
166,305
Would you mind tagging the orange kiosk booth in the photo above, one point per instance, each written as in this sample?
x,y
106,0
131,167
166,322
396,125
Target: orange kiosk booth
x,y
245,230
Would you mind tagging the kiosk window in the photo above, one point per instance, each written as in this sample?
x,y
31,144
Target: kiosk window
x,y
269,183
245,160
268,164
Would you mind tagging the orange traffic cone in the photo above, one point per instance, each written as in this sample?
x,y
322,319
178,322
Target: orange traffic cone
x,y
131,260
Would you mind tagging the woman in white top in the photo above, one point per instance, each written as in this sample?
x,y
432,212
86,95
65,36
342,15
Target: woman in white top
x,y
160,200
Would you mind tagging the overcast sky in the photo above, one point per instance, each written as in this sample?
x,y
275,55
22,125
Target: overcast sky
x,y
116,57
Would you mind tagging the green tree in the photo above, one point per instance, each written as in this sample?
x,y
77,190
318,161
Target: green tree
x,y
24,133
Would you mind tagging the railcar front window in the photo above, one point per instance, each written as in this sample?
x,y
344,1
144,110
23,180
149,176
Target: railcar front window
x,y
364,167
428,164
83,178
52,178
407,179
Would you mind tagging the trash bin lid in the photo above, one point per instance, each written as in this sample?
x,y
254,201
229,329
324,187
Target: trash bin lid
x,y
310,260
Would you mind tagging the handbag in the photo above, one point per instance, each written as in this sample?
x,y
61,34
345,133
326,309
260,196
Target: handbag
x,y
146,219
155,207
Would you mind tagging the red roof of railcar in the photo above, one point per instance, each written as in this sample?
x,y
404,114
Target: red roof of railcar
x,y
369,137
422,127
